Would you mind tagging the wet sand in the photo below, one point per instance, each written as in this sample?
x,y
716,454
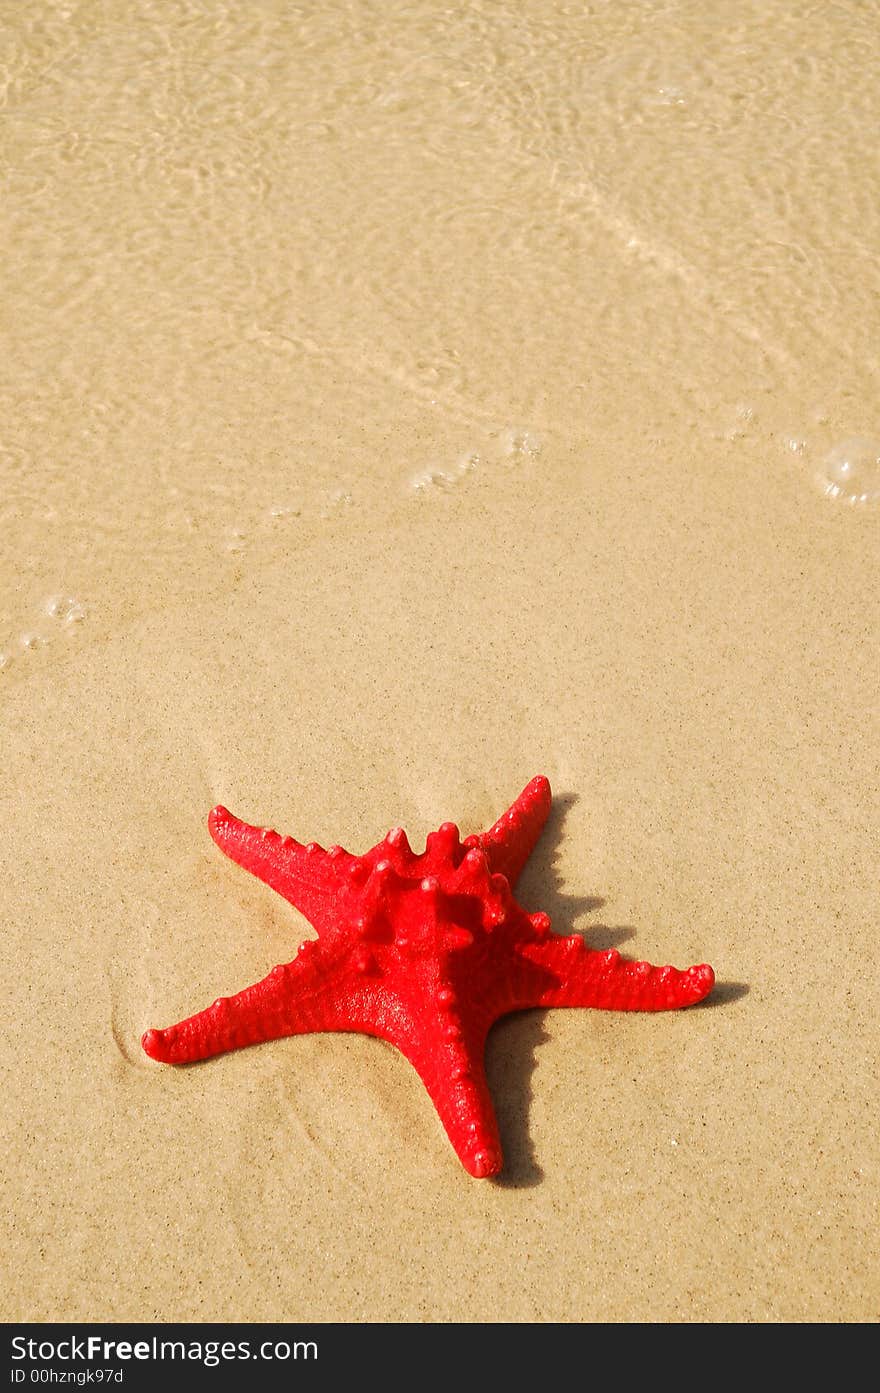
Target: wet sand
x,y
395,406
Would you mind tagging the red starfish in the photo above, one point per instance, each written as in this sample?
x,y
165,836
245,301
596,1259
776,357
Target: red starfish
x,y
425,951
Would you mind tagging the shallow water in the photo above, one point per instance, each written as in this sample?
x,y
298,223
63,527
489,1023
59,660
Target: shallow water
x,y
259,265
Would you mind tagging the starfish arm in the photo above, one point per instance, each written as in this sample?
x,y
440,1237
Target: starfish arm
x,y
424,951
294,999
308,877
454,1075
573,975
509,843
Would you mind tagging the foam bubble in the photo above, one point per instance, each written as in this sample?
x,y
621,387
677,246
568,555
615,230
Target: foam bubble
x,y
468,463
65,608
337,501
669,94
430,478
445,478
744,416
519,444
851,472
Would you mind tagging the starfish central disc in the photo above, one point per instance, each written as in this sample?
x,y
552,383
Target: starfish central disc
x,y
424,950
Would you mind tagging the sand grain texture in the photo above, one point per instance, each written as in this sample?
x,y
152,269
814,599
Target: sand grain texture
x,y
396,404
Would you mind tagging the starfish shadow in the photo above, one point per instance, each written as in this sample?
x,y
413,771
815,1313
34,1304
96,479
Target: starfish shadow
x,y
513,1041
511,1050
541,886
510,1064
541,883
722,994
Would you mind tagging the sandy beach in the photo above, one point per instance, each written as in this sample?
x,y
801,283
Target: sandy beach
x,y
397,403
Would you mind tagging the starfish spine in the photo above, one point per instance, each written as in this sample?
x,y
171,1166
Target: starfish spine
x,y
424,950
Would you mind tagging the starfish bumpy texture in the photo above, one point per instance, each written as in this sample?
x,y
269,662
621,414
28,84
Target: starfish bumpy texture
x,y
425,951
